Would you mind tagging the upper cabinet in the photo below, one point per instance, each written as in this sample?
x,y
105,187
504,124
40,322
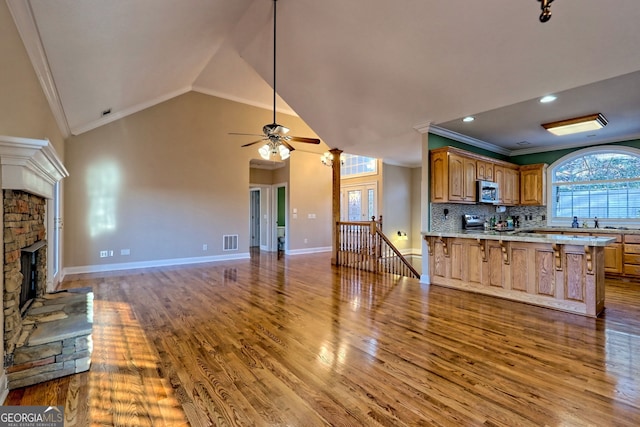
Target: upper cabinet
x,y
484,171
455,172
453,177
533,180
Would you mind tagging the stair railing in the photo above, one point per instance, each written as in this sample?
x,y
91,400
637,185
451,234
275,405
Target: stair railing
x,y
363,245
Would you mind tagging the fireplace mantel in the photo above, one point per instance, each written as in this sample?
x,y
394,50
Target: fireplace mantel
x,y
30,165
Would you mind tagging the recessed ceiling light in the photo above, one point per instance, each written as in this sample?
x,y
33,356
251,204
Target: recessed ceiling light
x,y
548,98
468,119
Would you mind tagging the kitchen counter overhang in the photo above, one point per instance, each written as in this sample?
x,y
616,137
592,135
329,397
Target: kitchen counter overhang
x,y
561,272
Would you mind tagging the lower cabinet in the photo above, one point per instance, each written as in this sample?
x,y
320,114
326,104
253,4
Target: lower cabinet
x,y
631,259
563,277
613,254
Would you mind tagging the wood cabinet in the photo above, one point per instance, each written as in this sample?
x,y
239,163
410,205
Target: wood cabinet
x,y
462,179
511,193
560,276
613,254
533,191
631,257
484,171
455,172
453,177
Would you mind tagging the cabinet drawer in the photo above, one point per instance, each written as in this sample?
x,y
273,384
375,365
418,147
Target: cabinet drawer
x,y
632,270
631,249
618,237
632,238
632,258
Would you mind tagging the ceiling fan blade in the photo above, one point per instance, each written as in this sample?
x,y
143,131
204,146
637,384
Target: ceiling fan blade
x,y
244,134
251,143
303,139
286,144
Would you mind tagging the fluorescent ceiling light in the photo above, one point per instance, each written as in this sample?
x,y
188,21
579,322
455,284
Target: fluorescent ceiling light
x,y
548,98
579,124
468,119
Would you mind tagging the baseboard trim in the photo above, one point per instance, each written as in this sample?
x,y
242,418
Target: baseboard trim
x,y
147,264
308,250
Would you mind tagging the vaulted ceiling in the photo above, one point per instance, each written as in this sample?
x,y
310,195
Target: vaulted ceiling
x,y
366,75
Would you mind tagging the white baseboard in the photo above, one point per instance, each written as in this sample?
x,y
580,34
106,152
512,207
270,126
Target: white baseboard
x,y
308,250
146,264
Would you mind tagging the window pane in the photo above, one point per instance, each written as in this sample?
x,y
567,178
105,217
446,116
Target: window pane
x,y
357,165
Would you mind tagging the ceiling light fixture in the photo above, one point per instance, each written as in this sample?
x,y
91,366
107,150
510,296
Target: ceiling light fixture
x,y
548,98
327,159
579,124
545,6
468,119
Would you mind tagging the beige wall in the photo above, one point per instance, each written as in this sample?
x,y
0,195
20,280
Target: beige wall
x,y
164,181
416,209
396,207
310,194
24,111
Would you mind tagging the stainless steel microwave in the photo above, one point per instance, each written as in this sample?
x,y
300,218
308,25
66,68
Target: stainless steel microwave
x,y
488,192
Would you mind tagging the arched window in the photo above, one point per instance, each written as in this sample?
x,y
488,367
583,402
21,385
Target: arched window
x,y
601,182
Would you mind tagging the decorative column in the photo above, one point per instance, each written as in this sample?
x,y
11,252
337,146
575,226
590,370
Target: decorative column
x,y
335,207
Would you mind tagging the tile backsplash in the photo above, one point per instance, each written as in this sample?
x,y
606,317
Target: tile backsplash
x,y
452,221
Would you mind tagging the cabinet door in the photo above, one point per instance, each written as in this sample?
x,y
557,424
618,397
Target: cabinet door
x,y
613,258
498,173
515,186
439,178
532,185
511,187
456,178
484,170
470,180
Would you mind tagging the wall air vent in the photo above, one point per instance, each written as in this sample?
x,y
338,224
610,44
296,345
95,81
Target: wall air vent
x,y
230,242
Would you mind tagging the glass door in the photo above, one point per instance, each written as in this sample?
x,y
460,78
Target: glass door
x,y
358,203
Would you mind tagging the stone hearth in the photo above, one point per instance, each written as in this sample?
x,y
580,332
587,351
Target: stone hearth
x,y
55,339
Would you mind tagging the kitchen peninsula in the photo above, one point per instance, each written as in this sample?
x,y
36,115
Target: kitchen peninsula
x,y
561,272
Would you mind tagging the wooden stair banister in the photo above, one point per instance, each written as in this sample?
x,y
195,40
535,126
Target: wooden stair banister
x,y
363,245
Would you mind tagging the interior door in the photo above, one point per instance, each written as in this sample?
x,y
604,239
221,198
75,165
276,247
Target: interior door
x,y
358,202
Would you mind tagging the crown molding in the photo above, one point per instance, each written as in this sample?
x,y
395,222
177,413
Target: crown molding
x,y
77,130
25,23
468,140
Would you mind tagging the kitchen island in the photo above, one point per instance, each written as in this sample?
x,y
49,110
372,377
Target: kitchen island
x,y
561,272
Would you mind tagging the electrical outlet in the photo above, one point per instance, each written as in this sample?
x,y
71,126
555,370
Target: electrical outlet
x,y
125,251
306,240
110,253
205,247
104,254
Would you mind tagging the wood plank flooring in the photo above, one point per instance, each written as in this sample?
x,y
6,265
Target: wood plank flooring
x,y
297,342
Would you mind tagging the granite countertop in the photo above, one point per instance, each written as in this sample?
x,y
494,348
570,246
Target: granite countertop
x,y
528,235
616,230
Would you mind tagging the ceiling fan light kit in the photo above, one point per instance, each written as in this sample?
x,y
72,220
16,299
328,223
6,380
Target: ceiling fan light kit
x,y
275,135
576,125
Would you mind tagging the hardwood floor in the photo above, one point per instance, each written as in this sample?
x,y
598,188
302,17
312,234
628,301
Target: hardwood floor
x,y
298,342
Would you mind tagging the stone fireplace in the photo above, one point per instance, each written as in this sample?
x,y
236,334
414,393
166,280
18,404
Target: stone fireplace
x,y
46,334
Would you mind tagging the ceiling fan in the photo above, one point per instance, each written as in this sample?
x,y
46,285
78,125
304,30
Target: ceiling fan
x,y
275,135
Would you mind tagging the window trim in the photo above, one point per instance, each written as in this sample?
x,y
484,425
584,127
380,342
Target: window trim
x,y
618,149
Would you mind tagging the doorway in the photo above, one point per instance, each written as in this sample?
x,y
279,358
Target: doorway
x,y
281,217
254,218
358,202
